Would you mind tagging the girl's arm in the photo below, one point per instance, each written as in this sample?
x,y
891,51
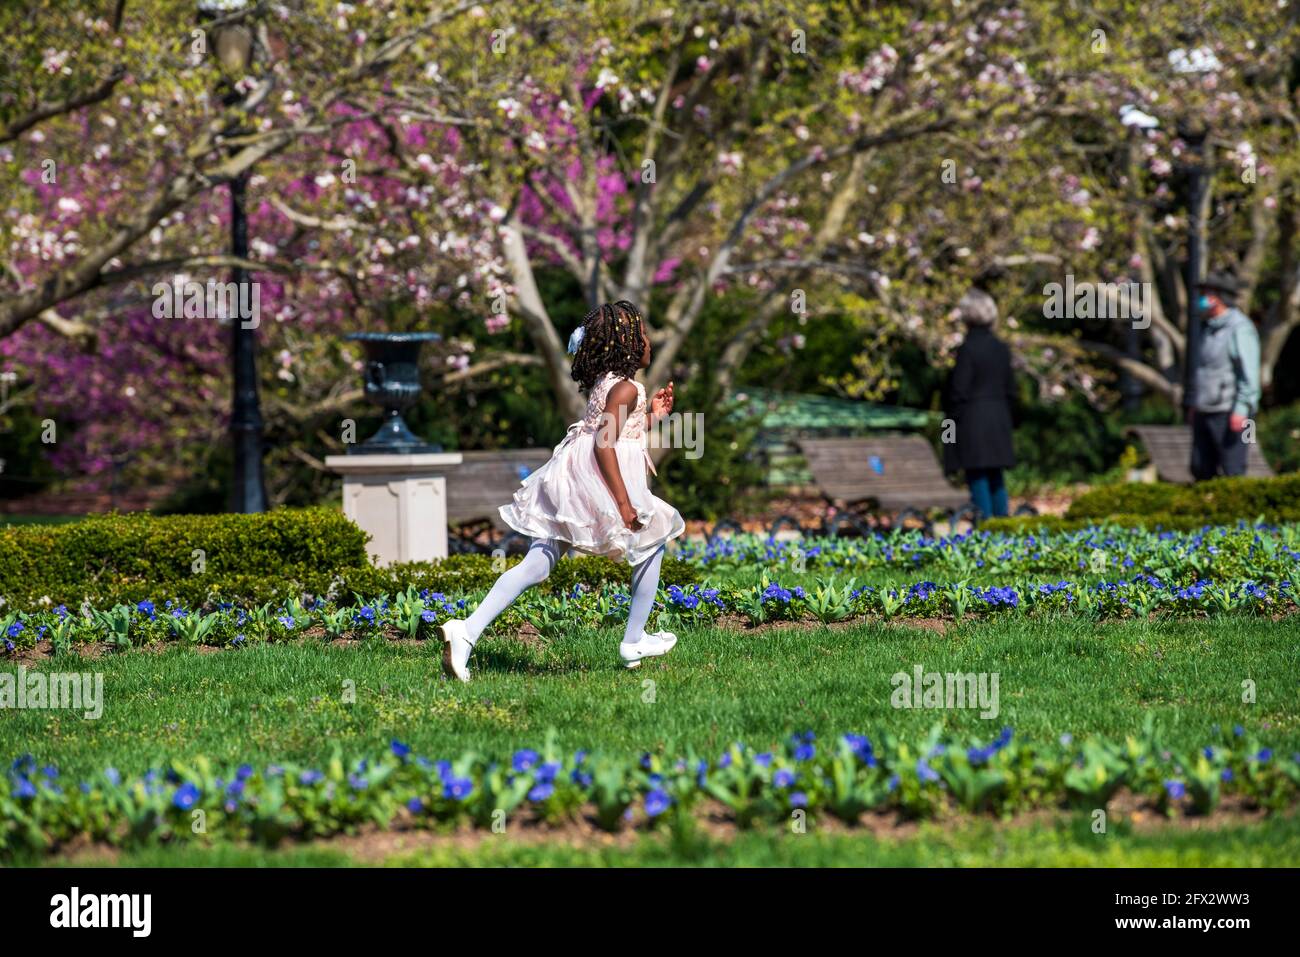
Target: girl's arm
x,y
618,405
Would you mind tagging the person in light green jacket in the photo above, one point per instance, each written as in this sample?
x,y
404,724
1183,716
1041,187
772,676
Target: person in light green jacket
x,y
1225,381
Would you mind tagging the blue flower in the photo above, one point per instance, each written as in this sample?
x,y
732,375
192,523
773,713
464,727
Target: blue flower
x,y
861,747
541,791
798,799
1176,789
415,805
186,796
656,802
1265,754
458,788
525,760
310,777
147,607
25,789
399,749
925,773
783,778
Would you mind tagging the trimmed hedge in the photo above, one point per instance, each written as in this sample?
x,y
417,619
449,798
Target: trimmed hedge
x,y
1019,524
246,559
66,562
464,574
1216,502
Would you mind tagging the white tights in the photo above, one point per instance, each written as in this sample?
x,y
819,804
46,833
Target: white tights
x,y
542,555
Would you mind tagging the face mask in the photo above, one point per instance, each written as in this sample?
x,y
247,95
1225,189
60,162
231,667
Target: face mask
x,y
1203,303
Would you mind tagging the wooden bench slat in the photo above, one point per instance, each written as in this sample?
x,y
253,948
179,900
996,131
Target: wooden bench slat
x,y
1170,449
486,480
911,474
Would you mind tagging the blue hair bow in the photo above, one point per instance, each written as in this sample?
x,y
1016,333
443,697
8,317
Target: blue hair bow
x,y
575,340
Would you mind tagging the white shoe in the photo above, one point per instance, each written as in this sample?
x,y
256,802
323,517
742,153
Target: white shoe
x,y
456,649
650,646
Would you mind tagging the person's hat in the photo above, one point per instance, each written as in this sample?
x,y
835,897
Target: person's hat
x,y
1221,282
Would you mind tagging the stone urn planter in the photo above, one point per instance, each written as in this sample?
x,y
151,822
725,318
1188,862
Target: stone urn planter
x,y
392,382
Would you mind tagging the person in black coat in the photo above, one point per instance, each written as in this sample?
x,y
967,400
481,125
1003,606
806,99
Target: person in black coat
x,y
980,395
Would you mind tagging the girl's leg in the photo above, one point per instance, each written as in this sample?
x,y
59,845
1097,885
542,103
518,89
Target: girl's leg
x,y
542,555
998,492
645,582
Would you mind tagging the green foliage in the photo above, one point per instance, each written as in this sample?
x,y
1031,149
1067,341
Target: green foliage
x,y
465,574
113,556
1019,524
847,778
24,468
246,559
1222,500
1279,437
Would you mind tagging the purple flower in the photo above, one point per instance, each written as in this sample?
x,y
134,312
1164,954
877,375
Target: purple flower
x,y
310,777
1175,789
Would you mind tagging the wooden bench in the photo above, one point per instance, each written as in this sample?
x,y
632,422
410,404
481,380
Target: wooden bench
x,y
1170,450
484,481
889,472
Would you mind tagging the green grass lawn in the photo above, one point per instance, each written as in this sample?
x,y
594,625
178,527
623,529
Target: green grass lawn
x,y
279,702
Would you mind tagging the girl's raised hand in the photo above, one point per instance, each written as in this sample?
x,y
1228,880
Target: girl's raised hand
x,y
662,403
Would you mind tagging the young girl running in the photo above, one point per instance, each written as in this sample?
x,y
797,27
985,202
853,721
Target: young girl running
x,y
592,496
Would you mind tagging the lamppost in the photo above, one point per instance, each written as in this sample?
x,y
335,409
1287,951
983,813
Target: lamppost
x,y
1137,123
1194,61
233,45
1194,137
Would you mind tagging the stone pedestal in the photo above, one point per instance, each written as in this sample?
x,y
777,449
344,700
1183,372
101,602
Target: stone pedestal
x,y
401,500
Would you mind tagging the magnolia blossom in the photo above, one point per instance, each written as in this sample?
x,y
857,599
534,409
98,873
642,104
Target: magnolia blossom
x,y
730,162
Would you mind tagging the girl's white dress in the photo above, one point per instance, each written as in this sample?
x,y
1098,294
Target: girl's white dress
x,y
567,498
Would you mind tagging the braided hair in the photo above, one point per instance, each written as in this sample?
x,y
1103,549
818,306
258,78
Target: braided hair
x,y
611,342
